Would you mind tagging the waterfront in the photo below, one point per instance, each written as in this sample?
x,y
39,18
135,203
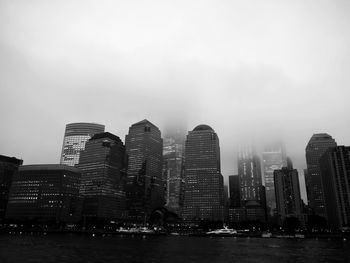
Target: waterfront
x,y
75,248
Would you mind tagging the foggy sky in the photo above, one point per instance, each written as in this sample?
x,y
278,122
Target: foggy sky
x,y
252,70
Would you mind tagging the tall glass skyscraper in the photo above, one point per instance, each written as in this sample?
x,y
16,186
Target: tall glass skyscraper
x,y
317,146
274,158
144,186
75,137
103,164
204,188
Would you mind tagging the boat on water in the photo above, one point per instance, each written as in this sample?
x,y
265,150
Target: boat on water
x,y
145,230
135,230
222,232
266,234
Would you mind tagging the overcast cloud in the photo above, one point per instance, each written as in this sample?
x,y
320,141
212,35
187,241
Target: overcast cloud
x,y
250,69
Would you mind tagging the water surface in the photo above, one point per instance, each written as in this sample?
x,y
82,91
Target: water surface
x,y
75,248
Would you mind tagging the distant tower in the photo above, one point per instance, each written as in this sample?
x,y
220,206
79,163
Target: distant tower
x,y
289,163
335,173
287,190
204,193
173,159
177,133
8,168
249,171
103,164
75,137
145,187
252,196
317,146
274,158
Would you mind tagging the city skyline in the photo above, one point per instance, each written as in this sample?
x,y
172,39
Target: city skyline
x,y
174,131
244,152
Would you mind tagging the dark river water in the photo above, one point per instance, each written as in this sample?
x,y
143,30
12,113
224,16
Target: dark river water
x,y
74,248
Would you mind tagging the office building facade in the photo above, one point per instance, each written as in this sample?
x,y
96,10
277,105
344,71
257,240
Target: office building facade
x,y
173,160
45,193
316,147
287,191
144,184
274,158
75,137
203,199
249,171
335,174
103,164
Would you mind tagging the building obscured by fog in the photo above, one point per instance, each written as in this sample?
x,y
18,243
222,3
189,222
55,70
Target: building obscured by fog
x,y
274,158
173,160
249,172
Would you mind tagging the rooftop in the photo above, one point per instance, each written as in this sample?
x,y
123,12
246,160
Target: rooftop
x,y
51,167
203,127
144,122
14,160
106,135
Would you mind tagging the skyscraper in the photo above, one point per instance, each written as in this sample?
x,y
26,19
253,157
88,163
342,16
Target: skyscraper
x,y
173,159
335,174
249,171
274,158
204,198
287,190
252,196
317,146
144,186
103,164
75,137
46,193
8,167
173,163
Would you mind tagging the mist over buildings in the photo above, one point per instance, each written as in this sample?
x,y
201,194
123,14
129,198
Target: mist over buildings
x,y
253,71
